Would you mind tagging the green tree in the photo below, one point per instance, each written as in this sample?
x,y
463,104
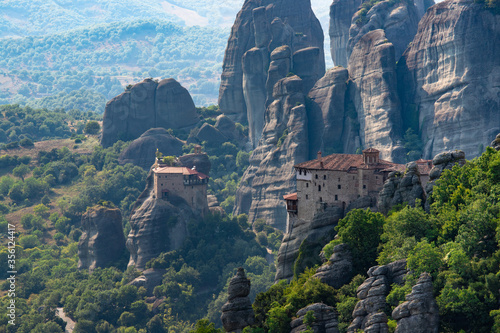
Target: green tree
x,y
92,127
21,171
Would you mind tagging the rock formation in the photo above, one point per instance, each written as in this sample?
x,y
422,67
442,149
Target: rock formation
x,y
338,270
373,90
318,231
368,314
401,188
157,225
450,71
283,144
149,279
228,128
260,28
199,161
325,319
441,162
420,312
209,134
496,143
147,105
238,313
341,13
326,115
102,241
142,151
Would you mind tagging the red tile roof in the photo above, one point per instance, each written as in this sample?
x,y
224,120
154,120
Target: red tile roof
x,y
179,170
342,162
292,196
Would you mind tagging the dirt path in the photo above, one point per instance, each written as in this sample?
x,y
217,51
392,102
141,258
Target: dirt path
x,y
70,324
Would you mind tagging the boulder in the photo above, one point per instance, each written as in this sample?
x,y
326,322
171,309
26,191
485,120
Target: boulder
x,y
199,161
325,319
228,128
209,134
420,312
338,271
102,241
496,143
146,105
142,151
373,90
149,279
449,71
238,313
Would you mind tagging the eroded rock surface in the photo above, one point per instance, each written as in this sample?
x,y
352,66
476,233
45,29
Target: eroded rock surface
x,y
373,90
451,71
369,313
420,312
147,105
238,313
325,319
496,143
341,13
401,188
102,241
142,151
149,279
339,269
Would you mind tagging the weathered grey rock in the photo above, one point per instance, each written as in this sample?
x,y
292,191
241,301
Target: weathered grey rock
x,y
373,90
308,65
317,231
441,162
369,313
270,174
256,26
102,241
199,161
147,105
208,133
325,319
280,66
401,188
496,143
339,269
238,313
142,151
326,112
157,225
420,312
399,20
449,71
228,128
341,13
149,279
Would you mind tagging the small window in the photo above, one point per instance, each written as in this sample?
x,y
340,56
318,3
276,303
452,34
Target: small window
x,y
320,199
352,177
336,197
307,197
159,176
364,186
319,188
307,184
324,176
161,184
376,177
339,178
316,176
300,172
339,186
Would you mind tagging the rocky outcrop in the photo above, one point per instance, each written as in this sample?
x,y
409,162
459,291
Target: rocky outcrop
x,y
142,151
339,269
325,319
495,144
102,241
325,112
373,90
238,313
149,279
341,13
420,312
318,231
369,313
441,162
228,128
450,71
147,105
157,225
284,143
209,134
260,28
199,161
401,189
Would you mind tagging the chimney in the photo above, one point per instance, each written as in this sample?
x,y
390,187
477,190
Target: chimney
x,y
320,161
319,154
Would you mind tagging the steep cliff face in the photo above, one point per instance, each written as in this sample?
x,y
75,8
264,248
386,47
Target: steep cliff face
x,y
450,74
102,241
260,28
283,144
341,12
147,105
157,225
373,90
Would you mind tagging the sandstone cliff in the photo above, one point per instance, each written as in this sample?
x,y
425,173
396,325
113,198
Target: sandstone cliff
x,y
373,90
238,313
102,241
450,73
284,143
146,105
260,28
341,13
338,270
157,225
